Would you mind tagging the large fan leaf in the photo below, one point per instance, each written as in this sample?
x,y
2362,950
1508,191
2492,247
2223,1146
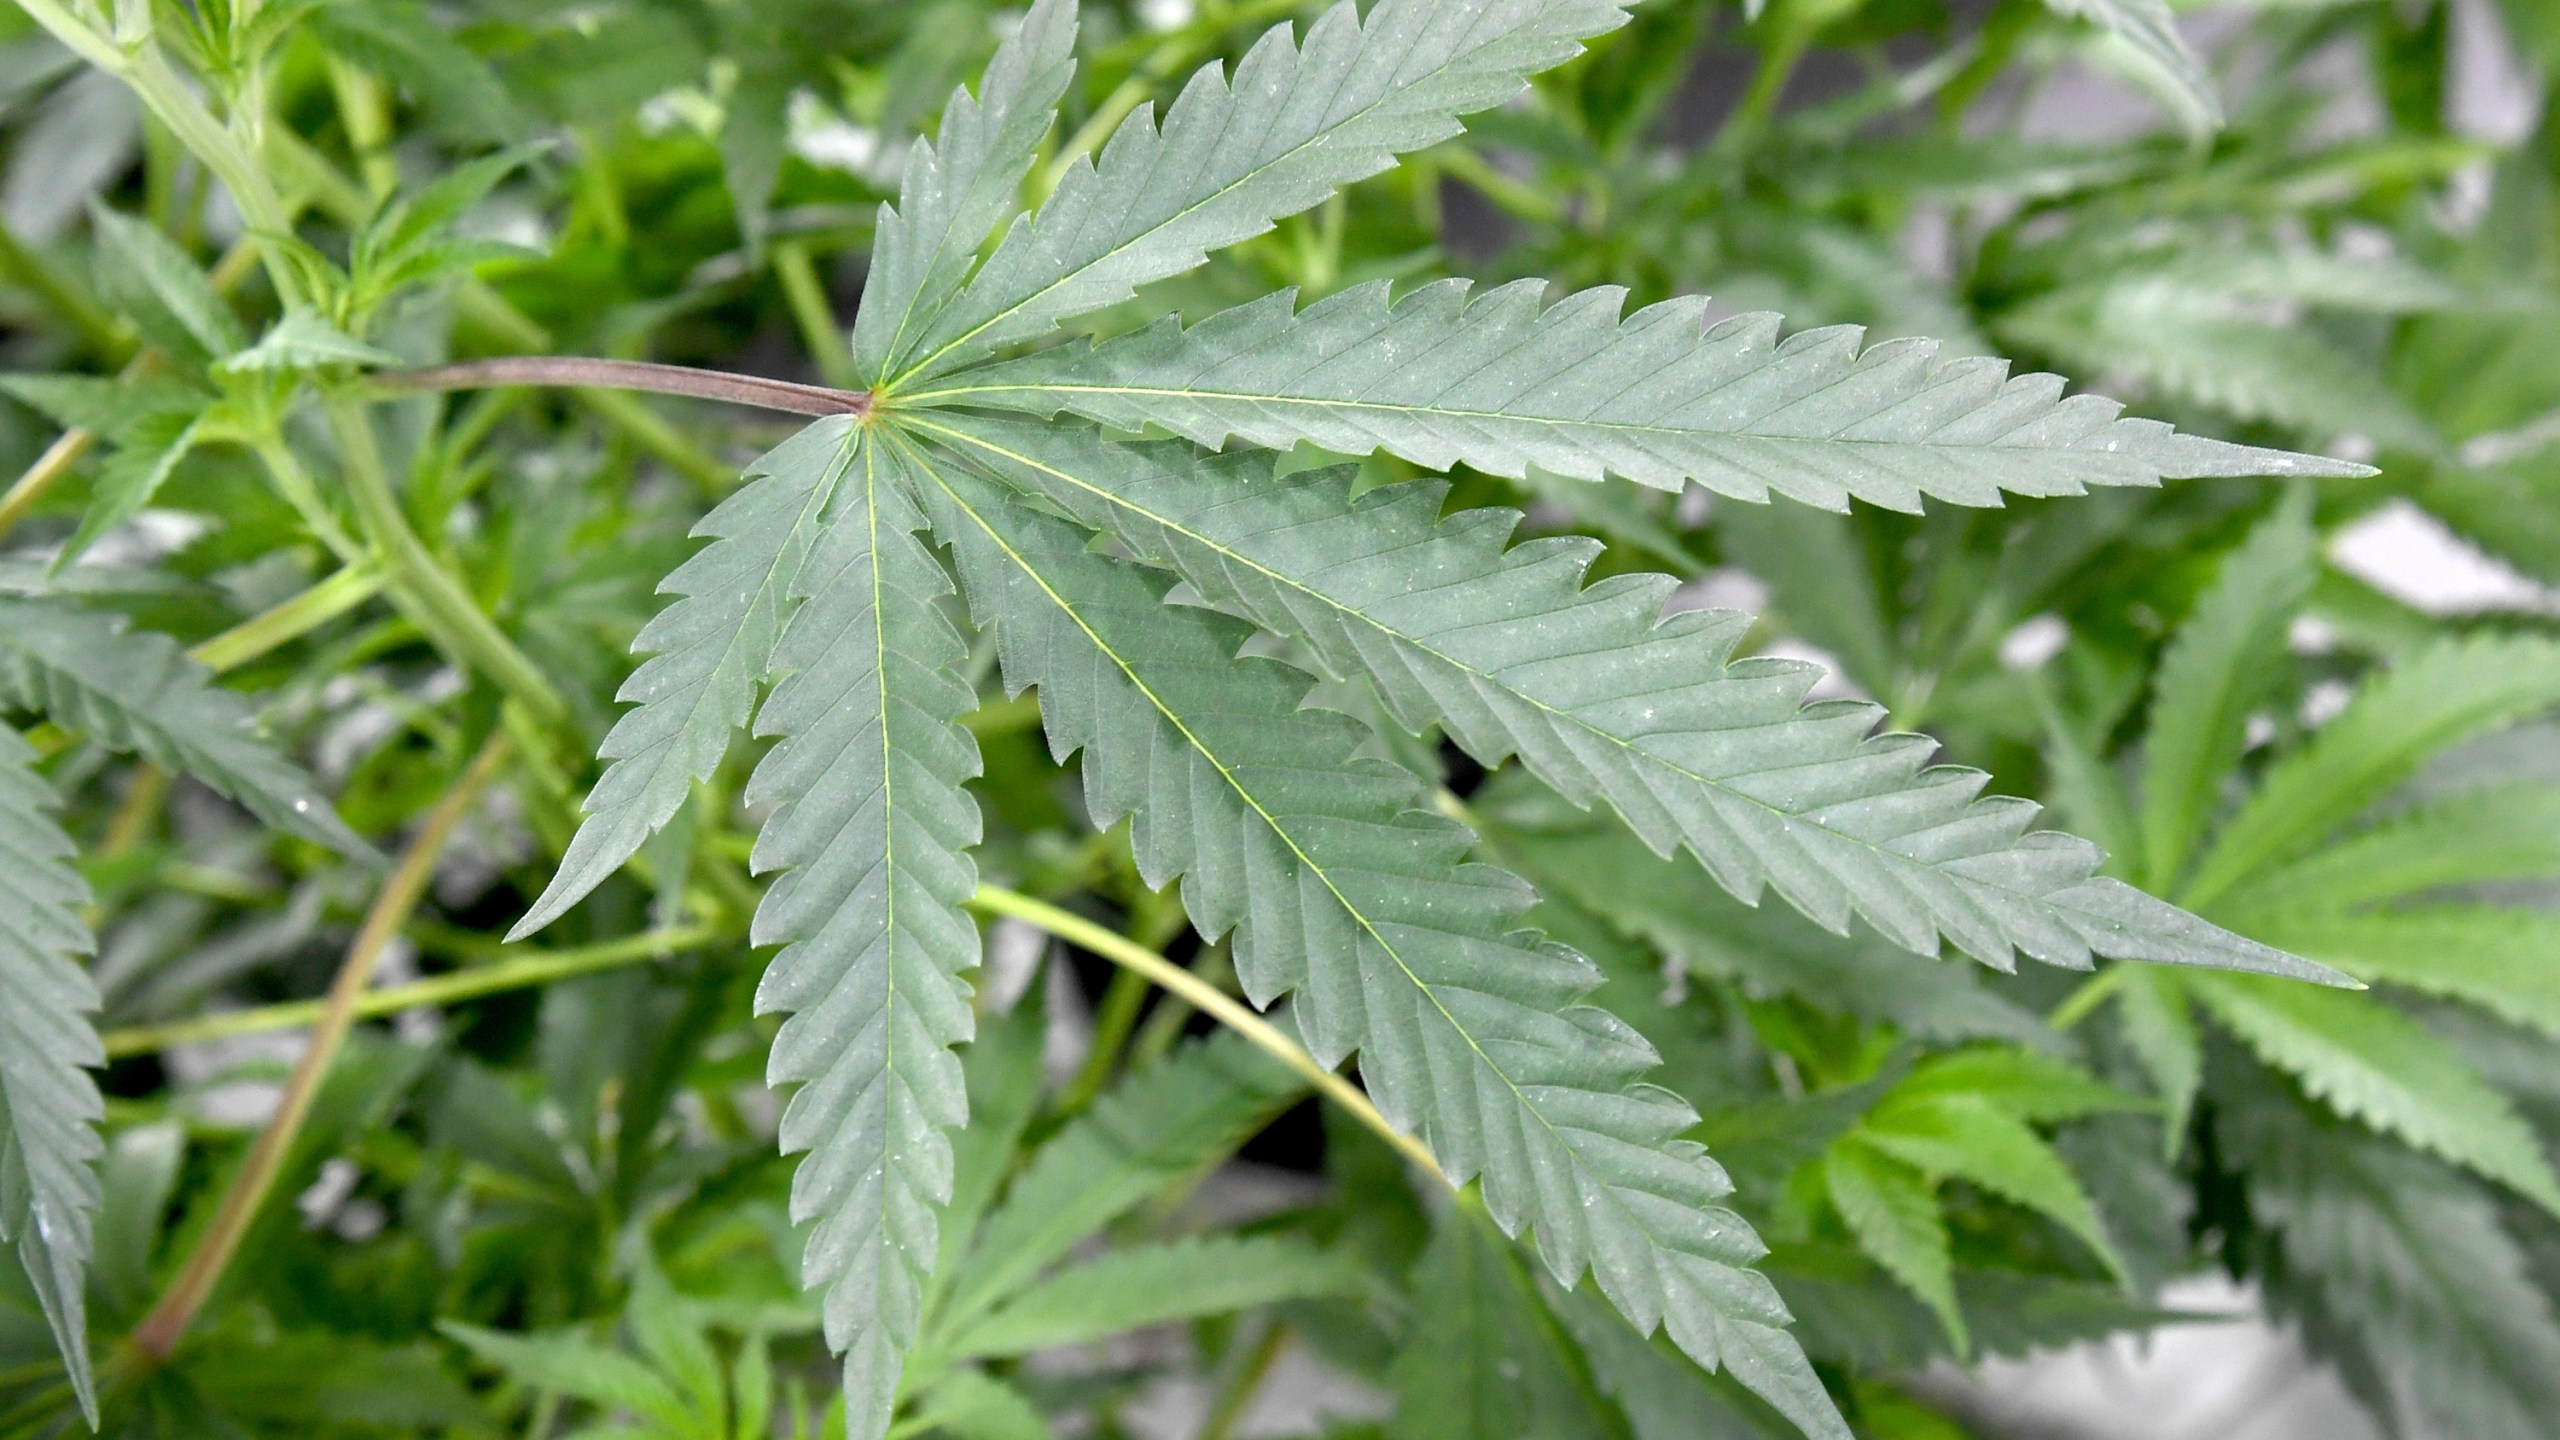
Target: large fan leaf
x,y
1503,384
1342,889
1594,861
1604,699
950,196
1233,158
709,650
136,690
49,1107
871,826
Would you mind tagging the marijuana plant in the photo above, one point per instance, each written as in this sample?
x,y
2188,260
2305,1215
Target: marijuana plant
x,y
1164,439
1347,890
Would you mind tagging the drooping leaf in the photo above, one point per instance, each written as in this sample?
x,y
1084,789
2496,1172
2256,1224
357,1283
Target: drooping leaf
x,y
2218,666
2447,692
951,194
708,652
1156,1285
1604,699
136,690
872,828
49,1105
1892,1211
2374,1065
1233,157
1347,893
1503,383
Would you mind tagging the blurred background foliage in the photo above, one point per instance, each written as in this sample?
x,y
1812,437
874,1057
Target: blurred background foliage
x,y
539,1195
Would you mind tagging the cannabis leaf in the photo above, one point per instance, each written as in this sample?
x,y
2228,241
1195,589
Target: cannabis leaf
x,y
2218,668
1891,1209
1358,901
1155,1127
1156,1285
1486,1359
2406,1266
1233,157
873,827
1504,384
1963,1116
2265,869
2444,694
1343,888
709,651
1604,699
136,690
49,1107
950,195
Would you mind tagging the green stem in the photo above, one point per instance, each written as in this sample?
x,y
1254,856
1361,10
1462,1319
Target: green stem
x,y
295,484
157,1337
1112,1022
2084,1002
1120,950
815,314
525,972
39,477
363,110
290,620
1236,1396
442,608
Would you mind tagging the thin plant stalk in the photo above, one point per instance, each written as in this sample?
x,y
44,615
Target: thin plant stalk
x,y
1120,950
157,1337
523,972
